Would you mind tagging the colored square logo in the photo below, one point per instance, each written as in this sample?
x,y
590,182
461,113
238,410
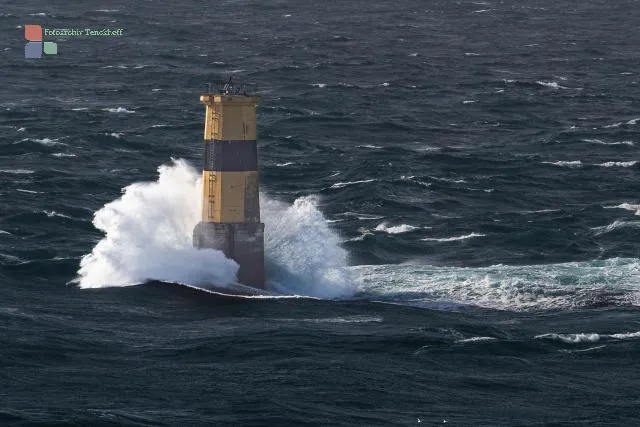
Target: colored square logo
x,y
50,48
33,33
33,50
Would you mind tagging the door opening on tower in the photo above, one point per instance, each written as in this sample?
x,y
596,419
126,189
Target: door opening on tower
x,y
230,219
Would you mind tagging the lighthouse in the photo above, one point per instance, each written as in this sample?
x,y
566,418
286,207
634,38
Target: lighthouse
x,y
230,219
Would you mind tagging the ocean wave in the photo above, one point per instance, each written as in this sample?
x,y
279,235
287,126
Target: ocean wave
x,y
626,206
588,337
615,225
599,141
339,319
347,183
451,180
118,110
570,338
552,85
570,164
63,155
475,339
285,164
613,125
396,229
453,239
360,216
52,214
17,171
148,236
44,141
618,164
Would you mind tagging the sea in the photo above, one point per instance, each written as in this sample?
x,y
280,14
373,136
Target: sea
x,y
450,192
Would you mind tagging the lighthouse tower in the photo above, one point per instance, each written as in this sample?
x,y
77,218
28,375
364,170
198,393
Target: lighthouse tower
x,y
230,218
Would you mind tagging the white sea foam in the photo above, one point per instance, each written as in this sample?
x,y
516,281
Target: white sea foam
x,y
17,171
626,206
344,184
552,85
571,338
570,164
517,288
633,121
148,235
588,337
45,141
52,214
118,110
371,146
451,180
304,254
320,85
63,155
616,225
469,101
455,238
285,164
613,125
475,339
618,164
338,319
361,216
598,141
116,135
626,335
79,109
396,229
22,190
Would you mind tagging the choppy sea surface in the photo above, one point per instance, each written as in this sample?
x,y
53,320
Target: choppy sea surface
x,y
451,194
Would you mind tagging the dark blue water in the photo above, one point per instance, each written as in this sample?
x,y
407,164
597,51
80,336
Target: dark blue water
x,y
451,189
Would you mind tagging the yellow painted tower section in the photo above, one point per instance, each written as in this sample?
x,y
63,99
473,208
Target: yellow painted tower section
x,y
224,192
230,186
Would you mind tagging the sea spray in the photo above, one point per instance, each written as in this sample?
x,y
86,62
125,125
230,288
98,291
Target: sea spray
x,y
148,236
303,253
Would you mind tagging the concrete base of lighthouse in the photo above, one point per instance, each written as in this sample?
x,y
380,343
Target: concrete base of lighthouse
x,y
242,242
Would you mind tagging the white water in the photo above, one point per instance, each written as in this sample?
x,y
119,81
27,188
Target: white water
x,y
517,288
148,236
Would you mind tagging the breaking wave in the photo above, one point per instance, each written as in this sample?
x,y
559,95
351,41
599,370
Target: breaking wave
x,y
395,229
588,337
148,236
454,238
